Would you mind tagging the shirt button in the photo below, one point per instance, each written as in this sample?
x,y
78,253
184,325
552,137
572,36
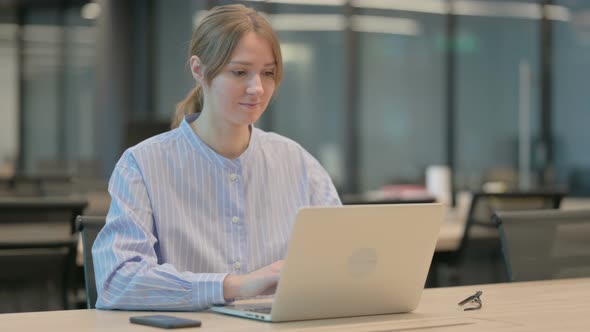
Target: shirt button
x,y
235,220
237,265
233,176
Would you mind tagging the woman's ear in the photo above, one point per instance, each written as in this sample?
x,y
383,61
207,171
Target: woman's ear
x,y
197,69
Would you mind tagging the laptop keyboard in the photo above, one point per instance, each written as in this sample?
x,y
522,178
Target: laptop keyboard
x,y
259,310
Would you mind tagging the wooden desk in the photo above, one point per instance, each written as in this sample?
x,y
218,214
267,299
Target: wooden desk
x,y
36,182
361,200
451,229
37,209
450,236
560,305
45,202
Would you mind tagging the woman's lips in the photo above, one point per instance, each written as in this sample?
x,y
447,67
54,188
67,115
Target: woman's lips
x,y
250,105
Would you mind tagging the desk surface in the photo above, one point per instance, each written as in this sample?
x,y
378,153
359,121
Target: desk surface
x,y
42,202
560,305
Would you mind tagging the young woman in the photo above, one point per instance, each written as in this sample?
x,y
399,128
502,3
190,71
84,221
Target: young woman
x,y
202,214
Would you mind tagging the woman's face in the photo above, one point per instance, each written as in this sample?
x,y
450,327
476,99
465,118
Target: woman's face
x,y
240,93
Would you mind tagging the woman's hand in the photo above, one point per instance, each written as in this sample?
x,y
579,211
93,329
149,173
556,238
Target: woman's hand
x,y
260,282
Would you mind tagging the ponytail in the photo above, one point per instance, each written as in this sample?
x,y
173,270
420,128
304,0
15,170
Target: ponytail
x,y
193,103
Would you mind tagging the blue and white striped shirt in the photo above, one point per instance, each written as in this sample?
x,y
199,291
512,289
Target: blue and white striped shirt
x,y
182,217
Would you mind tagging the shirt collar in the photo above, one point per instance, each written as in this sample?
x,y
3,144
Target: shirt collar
x,y
204,150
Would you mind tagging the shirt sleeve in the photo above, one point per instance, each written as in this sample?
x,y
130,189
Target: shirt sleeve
x,y
321,188
128,273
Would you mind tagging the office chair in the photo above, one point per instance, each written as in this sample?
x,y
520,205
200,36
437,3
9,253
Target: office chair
x,y
480,244
89,228
545,244
38,243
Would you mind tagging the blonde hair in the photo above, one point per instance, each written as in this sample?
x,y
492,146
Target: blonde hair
x,y
214,40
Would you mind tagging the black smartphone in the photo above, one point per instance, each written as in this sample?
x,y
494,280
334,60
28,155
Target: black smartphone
x,y
164,321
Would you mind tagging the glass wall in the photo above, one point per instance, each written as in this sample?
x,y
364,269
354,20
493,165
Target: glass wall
x,y
79,85
393,54
497,88
174,21
571,110
309,106
58,87
401,95
43,38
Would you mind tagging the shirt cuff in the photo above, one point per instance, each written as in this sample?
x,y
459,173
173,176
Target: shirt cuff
x,y
208,289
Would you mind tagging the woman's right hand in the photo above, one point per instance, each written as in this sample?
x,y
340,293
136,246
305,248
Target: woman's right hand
x,y
260,282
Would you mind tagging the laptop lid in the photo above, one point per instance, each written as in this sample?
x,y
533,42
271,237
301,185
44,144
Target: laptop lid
x,y
356,260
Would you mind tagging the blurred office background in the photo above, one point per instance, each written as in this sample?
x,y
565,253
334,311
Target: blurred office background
x,y
378,90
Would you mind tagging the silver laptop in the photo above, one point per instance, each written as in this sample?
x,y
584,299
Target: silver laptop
x,y
351,261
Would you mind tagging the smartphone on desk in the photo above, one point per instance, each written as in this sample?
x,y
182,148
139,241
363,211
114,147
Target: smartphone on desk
x,y
164,321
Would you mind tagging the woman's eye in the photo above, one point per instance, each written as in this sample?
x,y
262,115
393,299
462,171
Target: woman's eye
x,y
238,72
269,73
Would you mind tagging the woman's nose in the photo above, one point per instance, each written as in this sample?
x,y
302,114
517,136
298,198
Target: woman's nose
x,y
255,86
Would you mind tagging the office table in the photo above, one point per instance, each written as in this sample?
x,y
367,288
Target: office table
x,y
36,182
41,212
36,247
559,305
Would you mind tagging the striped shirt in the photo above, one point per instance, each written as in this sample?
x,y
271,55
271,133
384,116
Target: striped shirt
x,y
182,217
